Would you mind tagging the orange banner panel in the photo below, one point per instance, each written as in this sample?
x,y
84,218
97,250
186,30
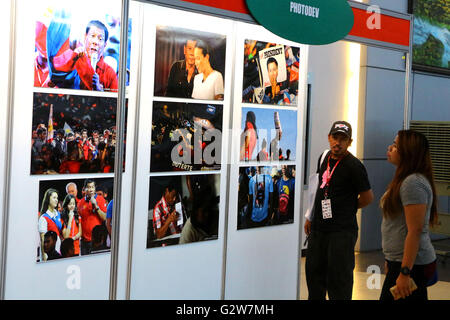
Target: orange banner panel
x,y
230,5
393,30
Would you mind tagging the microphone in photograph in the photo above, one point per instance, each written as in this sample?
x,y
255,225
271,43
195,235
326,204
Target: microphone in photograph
x,y
94,60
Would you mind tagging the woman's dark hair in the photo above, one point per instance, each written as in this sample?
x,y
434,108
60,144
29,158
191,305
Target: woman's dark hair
x,y
251,117
46,200
67,245
414,153
271,60
65,213
205,48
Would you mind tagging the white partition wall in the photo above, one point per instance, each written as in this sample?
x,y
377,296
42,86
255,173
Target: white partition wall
x,y
80,277
5,21
183,271
263,262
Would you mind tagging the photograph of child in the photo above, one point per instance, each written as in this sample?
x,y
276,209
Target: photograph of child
x,y
72,217
183,209
189,64
271,73
186,137
266,196
73,134
77,50
268,134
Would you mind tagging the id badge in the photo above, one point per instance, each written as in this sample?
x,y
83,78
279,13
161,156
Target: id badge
x,y
326,209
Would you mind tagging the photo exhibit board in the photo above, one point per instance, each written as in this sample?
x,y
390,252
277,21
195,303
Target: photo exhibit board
x,y
261,243
430,48
181,162
64,104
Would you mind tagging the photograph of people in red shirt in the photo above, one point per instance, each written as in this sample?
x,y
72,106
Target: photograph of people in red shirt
x,y
69,58
73,134
77,218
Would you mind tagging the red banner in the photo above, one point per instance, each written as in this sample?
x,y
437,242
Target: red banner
x,y
392,30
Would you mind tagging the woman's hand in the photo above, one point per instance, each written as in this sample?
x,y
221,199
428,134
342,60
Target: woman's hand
x,y
403,286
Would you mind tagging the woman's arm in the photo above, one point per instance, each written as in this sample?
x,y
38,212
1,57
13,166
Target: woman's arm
x,y
66,229
78,235
44,255
414,215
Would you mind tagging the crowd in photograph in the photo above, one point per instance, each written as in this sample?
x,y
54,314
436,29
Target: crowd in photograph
x,y
266,196
79,137
186,121
70,226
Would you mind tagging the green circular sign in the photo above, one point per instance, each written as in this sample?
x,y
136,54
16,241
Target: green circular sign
x,y
304,21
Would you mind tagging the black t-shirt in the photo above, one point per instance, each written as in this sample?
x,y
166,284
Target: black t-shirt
x,y
348,180
177,84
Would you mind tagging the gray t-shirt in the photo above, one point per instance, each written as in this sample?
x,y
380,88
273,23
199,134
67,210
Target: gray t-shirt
x,y
415,189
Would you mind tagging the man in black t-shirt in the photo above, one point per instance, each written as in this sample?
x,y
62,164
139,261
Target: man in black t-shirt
x,y
343,188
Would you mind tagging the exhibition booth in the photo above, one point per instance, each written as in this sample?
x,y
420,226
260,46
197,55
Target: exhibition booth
x,y
223,156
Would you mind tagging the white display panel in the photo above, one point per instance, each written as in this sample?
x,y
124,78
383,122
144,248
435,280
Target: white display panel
x,y
5,25
184,271
263,262
82,277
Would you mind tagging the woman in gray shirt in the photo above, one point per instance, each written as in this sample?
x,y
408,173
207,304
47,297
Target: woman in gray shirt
x,y
409,206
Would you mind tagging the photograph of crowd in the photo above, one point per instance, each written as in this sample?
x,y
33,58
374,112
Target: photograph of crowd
x,y
183,209
74,218
78,49
189,64
268,135
265,196
73,134
271,73
186,137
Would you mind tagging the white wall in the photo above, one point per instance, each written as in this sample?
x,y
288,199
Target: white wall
x,y
189,271
26,279
262,263
5,25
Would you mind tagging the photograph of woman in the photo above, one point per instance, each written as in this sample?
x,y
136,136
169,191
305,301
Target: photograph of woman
x,y
409,208
71,224
49,220
208,83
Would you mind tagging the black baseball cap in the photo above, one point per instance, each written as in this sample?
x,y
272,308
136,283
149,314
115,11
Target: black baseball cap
x,y
343,127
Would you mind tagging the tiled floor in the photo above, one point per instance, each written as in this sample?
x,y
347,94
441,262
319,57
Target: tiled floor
x,y
366,288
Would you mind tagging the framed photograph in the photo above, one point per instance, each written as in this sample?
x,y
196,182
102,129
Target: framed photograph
x,y
266,196
183,209
77,48
271,73
186,137
73,134
189,64
431,47
268,134
74,217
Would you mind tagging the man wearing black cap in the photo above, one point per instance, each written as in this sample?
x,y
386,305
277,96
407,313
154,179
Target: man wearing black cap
x,y
343,188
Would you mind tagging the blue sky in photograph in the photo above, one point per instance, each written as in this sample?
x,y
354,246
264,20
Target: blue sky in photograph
x,y
265,120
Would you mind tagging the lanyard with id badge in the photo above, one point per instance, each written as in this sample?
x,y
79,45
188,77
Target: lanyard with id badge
x,y
326,178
